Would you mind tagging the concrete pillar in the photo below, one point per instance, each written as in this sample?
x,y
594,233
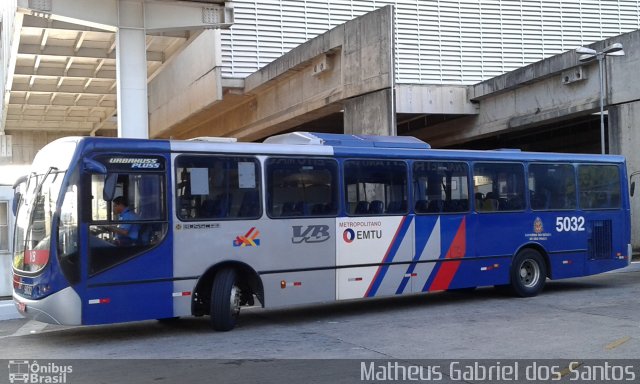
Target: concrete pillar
x,y
131,70
624,139
370,114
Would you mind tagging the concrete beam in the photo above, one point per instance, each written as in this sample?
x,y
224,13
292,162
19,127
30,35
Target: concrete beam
x,y
621,72
74,89
531,103
167,16
188,84
370,114
62,72
100,14
523,76
434,99
40,22
24,125
158,15
311,81
13,56
67,101
92,53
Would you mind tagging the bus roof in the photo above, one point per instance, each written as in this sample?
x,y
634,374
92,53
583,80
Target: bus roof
x,y
339,145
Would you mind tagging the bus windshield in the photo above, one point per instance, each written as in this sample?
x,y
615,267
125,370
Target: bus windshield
x,y
37,206
34,219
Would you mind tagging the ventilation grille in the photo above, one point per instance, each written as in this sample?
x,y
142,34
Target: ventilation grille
x,y
437,42
600,241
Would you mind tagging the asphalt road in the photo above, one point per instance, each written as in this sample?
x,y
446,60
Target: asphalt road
x,y
595,317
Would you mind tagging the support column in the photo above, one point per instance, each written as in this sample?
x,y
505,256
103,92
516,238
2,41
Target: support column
x,y
131,70
370,114
624,139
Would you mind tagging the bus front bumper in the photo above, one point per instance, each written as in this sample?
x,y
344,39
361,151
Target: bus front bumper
x,y
63,307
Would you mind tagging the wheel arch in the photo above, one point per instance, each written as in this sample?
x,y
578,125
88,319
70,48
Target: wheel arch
x,y
542,251
202,292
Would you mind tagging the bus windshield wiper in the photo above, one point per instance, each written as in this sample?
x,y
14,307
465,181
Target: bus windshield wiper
x,y
41,183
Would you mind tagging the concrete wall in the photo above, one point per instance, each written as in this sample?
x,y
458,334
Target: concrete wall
x,y
7,53
311,81
536,94
624,120
189,83
370,114
533,95
624,116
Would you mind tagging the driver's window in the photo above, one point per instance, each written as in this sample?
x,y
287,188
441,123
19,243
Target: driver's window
x,y
99,206
129,224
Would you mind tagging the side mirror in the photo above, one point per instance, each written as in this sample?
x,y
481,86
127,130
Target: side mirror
x,y
92,166
633,188
17,195
109,190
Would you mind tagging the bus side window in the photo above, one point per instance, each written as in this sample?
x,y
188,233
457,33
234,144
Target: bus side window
x,y
301,187
217,188
375,187
440,186
501,184
599,186
552,186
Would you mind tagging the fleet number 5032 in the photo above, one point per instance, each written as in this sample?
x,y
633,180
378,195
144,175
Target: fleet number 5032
x,y
570,224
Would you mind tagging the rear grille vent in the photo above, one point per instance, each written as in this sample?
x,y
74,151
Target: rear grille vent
x,y
600,241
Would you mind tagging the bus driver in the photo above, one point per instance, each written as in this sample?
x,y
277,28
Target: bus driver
x,y
126,233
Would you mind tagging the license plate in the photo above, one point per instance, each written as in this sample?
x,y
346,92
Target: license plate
x,y
22,307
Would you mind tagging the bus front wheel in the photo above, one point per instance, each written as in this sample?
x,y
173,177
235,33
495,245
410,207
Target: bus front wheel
x,y
528,273
225,300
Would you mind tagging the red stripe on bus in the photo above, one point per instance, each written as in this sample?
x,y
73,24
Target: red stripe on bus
x,y
448,269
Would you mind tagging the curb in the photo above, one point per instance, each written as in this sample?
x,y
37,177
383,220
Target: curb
x,y
8,310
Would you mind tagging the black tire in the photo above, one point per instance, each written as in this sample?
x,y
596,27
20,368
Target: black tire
x,y
169,320
225,300
462,290
528,273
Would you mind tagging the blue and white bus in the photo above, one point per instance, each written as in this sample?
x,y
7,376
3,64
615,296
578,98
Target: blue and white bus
x,y
212,225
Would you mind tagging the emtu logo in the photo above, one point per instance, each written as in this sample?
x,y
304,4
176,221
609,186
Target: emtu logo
x,y
348,235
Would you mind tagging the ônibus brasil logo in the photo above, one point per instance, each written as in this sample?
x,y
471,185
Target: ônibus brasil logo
x,y
24,371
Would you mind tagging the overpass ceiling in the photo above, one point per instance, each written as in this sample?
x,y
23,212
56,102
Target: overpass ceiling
x,y
65,76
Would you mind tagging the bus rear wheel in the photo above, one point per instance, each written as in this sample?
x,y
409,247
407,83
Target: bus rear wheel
x,y
225,300
528,273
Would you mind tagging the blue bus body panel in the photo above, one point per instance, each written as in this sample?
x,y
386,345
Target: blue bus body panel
x,y
492,239
140,288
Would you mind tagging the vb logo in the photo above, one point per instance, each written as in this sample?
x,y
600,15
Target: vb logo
x,y
310,234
